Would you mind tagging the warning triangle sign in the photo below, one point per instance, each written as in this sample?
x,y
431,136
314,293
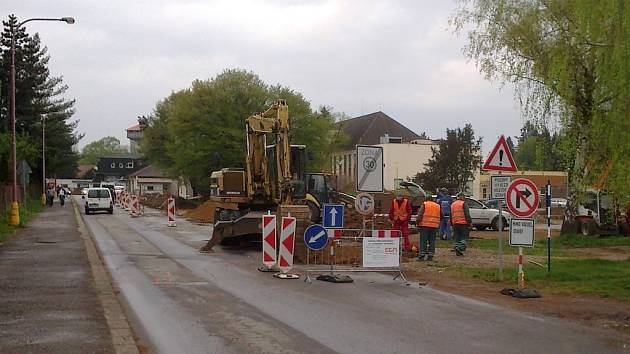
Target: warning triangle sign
x,y
500,158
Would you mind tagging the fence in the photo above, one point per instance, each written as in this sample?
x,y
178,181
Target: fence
x,y
346,252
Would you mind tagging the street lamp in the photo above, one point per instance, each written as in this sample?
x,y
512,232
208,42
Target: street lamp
x,y
15,209
44,159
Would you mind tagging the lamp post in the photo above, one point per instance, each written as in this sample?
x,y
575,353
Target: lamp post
x,y
44,159
15,209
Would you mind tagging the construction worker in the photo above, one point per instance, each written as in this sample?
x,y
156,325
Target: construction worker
x,y
429,216
445,200
399,215
460,218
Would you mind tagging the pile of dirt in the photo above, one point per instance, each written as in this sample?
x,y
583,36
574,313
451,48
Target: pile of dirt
x,y
203,213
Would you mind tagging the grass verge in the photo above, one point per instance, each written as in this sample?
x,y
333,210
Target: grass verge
x,y
33,207
603,278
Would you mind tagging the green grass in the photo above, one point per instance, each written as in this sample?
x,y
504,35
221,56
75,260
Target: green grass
x,y
560,246
33,207
603,278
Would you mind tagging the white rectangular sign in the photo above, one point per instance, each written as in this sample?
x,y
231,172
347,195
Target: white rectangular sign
x,y
381,252
522,232
498,186
369,167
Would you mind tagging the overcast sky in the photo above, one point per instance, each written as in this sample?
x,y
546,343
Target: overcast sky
x,y
399,57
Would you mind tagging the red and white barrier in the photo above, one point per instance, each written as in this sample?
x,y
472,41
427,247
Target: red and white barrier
x,y
269,240
170,211
135,207
334,233
287,244
126,202
386,233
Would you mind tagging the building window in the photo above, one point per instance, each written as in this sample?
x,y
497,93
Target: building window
x,y
484,193
121,165
130,164
113,165
149,188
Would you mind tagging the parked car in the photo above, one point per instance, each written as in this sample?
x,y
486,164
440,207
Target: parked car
x,y
98,199
494,204
484,217
558,203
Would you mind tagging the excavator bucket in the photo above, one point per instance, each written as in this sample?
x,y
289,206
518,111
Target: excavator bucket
x,y
246,225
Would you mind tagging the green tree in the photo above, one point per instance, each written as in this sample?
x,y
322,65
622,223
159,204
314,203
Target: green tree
x,y
108,145
200,129
538,149
38,95
567,60
454,162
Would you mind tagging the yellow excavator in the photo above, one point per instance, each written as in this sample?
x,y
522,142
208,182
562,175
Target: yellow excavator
x,y
273,180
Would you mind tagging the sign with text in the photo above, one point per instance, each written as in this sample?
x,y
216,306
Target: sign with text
x,y
381,252
522,232
498,186
369,168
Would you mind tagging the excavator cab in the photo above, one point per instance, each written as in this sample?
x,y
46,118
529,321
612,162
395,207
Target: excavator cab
x,y
298,170
320,186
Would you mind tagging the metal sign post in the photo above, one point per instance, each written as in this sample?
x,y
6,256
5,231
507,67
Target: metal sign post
x,y
500,238
548,199
500,159
521,235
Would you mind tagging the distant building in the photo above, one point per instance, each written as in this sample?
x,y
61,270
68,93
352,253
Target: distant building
x,y
404,152
116,167
135,133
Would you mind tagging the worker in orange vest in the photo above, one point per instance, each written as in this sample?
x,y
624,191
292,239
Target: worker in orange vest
x,y
460,218
429,216
399,215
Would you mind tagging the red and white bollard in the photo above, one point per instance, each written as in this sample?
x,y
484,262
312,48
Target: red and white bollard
x,y
269,243
521,274
286,248
170,211
126,202
135,210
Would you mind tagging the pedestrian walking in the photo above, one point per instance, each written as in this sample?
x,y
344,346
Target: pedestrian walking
x,y
429,216
399,215
50,195
445,200
62,196
460,218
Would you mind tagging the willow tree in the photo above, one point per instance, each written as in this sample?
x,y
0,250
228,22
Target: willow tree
x,y
568,61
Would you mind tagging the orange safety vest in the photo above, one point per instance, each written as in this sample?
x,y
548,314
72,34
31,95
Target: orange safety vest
x,y
457,213
431,215
400,211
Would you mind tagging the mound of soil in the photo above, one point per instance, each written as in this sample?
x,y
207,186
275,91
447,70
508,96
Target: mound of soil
x,y
203,213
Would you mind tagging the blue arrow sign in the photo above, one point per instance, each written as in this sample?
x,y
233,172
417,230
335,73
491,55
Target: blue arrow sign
x,y
315,237
333,216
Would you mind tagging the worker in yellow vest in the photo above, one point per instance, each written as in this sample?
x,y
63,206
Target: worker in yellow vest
x,y
460,218
399,215
429,216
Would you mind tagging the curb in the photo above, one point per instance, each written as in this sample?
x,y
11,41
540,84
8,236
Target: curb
x,y
119,329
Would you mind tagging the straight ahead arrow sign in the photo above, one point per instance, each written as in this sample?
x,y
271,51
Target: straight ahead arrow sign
x,y
333,215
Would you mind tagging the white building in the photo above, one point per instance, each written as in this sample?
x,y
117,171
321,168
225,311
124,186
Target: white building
x,y
404,152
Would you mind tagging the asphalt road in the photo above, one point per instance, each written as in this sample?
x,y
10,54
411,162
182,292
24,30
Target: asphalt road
x,y
182,301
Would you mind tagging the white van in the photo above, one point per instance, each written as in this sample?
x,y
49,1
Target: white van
x,y
98,199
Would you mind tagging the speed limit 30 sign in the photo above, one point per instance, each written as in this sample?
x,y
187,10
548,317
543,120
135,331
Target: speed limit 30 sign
x,y
522,197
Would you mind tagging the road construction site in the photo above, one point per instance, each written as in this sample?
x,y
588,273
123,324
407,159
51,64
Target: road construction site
x,y
181,300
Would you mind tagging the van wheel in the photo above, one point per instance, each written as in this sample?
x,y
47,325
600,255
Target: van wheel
x,y
111,210
315,212
87,211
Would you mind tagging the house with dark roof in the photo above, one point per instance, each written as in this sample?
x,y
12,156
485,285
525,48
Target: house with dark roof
x,y
115,167
404,151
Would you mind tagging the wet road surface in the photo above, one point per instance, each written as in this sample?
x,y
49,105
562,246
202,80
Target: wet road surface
x,y
182,301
